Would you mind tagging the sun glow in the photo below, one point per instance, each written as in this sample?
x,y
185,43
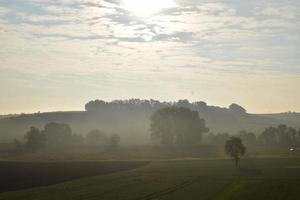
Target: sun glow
x,y
146,8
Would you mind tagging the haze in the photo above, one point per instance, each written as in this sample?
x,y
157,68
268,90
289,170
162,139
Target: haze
x,y
149,99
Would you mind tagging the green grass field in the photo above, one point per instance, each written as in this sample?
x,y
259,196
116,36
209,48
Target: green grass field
x,y
264,178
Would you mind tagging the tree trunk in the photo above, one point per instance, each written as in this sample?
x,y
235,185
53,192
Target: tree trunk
x,y
236,160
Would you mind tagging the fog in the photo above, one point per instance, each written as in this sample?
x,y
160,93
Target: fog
x,y
131,119
149,100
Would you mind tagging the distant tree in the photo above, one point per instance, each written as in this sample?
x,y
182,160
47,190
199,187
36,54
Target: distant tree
x,y
183,103
209,138
114,141
200,104
282,135
95,105
220,139
268,137
279,137
96,137
286,136
177,126
235,108
18,144
248,138
292,135
235,149
34,139
60,135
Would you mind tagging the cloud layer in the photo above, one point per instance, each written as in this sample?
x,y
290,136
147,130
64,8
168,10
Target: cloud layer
x,y
59,54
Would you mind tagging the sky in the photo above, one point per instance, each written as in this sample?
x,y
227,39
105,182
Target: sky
x,y
60,54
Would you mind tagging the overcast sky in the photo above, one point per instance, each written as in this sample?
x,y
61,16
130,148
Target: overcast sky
x,y
59,54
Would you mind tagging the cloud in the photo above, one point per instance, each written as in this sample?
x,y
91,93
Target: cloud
x,y
97,42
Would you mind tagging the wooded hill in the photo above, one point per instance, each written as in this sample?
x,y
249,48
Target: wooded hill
x,y
130,119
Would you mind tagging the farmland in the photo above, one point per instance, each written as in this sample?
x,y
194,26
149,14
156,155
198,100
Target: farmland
x,y
20,175
263,178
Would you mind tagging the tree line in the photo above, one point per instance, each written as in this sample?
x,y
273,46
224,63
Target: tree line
x,y
57,135
171,126
281,136
182,127
153,105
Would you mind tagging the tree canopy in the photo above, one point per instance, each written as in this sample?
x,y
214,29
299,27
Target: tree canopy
x,y
177,126
235,148
34,139
280,136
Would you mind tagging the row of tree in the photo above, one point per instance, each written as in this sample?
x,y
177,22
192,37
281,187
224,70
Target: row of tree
x,y
170,126
281,136
152,105
56,135
181,126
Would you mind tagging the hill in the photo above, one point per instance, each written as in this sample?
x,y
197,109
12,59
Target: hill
x,y
130,119
288,116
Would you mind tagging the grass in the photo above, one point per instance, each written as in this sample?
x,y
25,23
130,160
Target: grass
x,y
273,178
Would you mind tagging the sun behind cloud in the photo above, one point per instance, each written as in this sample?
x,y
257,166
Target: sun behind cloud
x,y
145,8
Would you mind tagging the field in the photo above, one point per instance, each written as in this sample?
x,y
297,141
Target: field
x,y
20,175
264,178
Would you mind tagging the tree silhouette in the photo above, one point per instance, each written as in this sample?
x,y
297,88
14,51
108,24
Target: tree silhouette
x,y
235,148
268,137
57,134
235,108
177,126
220,139
18,144
248,138
60,135
279,137
34,139
96,137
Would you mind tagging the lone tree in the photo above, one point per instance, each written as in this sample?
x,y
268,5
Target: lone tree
x,y
177,126
235,148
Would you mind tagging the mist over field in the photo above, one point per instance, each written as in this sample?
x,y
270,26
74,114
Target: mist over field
x,y
149,100
131,119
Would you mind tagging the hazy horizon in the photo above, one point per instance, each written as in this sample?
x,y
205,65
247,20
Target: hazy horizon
x,y
81,108
58,55
150,99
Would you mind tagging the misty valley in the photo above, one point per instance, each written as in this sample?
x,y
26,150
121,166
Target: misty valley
x,y
149,100
169,150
